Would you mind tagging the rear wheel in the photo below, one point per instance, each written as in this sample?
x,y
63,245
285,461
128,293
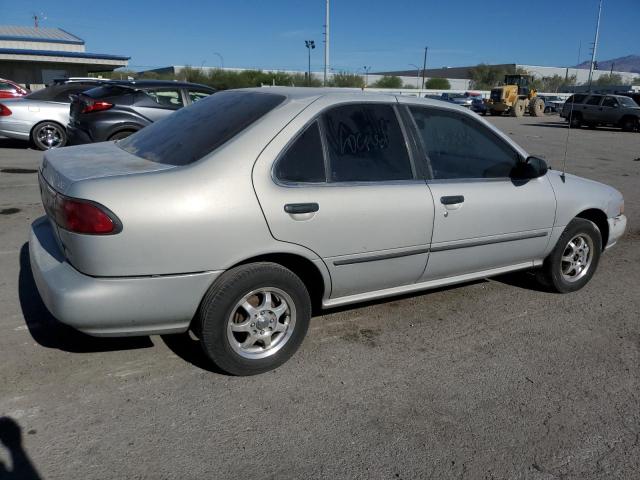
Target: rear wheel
x,y
48,135
574,259
518,108
120,135
254,318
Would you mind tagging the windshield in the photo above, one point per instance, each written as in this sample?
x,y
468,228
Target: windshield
x,y
194,131
627,102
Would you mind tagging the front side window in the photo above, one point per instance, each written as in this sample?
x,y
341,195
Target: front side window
x,y
166,97
303,161
610,102
460,147
195,95
628,102
366,144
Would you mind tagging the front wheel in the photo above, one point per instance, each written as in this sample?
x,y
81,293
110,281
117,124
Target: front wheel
x,y
254,318
574,259
48,135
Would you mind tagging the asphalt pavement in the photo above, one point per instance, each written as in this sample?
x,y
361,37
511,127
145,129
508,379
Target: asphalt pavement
x,y
493,379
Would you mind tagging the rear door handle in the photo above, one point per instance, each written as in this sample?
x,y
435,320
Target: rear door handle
x,y
301,207
452,199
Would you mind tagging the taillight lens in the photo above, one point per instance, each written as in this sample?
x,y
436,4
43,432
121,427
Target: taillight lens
x,y
80,216
4,111
96,107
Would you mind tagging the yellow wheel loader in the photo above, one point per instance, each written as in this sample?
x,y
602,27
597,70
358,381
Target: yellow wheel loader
x,y
515,98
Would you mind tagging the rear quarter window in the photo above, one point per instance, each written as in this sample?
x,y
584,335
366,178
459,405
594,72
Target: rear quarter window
x,y
193,132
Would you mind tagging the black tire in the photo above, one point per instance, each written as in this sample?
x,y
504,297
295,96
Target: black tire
x,y
536,107
551,274
220,307
120,135
629,124
547,109
47,135
518,108
575,121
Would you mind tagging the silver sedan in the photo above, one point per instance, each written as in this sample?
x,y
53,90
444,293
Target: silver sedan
x,y
41,117
236,215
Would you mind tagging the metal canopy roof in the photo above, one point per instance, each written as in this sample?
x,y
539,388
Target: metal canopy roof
x,y
40,34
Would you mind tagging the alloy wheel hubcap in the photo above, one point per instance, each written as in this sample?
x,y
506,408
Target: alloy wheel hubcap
x,y
49,136
576,258
261,323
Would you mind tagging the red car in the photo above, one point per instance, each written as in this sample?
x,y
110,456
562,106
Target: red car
x,y
9,89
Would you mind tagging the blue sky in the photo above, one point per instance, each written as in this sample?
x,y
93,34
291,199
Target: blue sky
x,y
385,35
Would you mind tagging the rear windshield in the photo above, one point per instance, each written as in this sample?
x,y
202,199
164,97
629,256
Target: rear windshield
x,y
107,91
192,132
59,93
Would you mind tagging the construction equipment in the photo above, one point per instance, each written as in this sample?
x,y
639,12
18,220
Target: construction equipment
x,y
515,97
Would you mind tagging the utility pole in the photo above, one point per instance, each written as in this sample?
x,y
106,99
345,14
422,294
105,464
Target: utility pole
x,y
310,44
366,75
417,74
595,45
326,42
35,21
424,65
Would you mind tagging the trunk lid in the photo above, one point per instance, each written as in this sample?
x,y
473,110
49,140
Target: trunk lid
x,y
64,166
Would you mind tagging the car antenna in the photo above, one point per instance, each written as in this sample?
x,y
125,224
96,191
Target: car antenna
x,y
566,143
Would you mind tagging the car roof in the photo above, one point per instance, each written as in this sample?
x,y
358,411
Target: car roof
x,y
157,83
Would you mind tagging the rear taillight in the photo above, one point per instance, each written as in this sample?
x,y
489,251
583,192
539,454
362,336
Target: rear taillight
x,y
4,111
81,216
96,107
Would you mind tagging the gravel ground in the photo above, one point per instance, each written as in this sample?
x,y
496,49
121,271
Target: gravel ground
x,y
492,379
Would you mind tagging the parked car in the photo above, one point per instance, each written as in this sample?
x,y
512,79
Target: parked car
x,y
116,110
478,105
595,110
458,98
9,89
42,115
234,216
552,103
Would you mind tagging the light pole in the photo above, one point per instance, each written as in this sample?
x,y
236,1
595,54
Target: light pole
x,y
221,59
424,65
417,74
595,45
310,44
366,75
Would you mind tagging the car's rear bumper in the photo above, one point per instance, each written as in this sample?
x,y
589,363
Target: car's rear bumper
x,y
123,306
617,226
77,136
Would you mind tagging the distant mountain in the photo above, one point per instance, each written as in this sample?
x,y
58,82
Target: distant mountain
x,y
630,63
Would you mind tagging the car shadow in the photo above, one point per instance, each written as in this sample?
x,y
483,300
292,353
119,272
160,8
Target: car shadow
x,y
14,143
21,466
188,348
50,333
525,279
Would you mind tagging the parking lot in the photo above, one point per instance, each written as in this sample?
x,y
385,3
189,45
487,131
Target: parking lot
x,y
489,380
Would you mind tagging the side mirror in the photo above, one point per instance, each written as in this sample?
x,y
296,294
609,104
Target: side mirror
x,y
532,167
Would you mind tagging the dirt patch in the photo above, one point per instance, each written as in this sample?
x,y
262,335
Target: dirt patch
x,y
18,170
365,336
9,211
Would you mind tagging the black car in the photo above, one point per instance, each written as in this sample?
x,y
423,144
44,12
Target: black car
x,y
117,109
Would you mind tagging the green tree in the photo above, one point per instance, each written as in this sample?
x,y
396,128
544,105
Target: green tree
x,y
485,77
635,81
609,79
388,81
438,84
344,79
554,83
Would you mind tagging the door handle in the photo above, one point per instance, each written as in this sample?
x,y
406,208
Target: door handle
x,y
301,207
452,199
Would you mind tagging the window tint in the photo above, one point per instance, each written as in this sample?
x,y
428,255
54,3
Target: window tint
x,y
191,133
595,100
366,144
166,97
7,86
460,147
628,102
60,93
610,102
304,160
579,98
196,95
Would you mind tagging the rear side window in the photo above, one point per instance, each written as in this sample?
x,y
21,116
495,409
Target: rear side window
x,y
165,97
594,100
366,144
303,162
460,147
579,98
191,133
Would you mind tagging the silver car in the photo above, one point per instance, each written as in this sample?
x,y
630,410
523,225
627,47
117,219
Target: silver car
x,y
236,215
41,117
